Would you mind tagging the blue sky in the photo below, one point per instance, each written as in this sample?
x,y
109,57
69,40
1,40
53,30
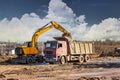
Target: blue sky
x,y
94,10
86,20
16,8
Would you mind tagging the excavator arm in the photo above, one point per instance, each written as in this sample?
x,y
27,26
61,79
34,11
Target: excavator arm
x,y
66,34
40,31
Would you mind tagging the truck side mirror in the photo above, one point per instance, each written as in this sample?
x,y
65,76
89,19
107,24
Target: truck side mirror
x,y
59,45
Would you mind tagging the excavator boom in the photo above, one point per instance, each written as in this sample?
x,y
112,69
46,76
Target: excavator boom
x,y
40,31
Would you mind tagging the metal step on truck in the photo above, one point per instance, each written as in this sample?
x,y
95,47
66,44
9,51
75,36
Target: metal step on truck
x,y
63,51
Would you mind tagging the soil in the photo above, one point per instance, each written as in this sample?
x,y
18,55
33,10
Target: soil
x,y
102,68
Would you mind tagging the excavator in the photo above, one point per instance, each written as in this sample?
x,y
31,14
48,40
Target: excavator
x,y
29,52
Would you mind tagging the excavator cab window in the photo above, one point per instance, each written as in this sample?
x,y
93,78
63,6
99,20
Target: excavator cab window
x,y
28,44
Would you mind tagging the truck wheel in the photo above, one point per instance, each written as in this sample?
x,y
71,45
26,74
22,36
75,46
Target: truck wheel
x,y
81,59
87,58
29,60
62,60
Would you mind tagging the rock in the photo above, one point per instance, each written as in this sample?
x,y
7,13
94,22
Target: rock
x,y
2,76
12,79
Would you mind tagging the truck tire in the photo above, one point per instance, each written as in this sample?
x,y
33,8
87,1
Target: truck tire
x,y
29,60
81,59
62,60
87,58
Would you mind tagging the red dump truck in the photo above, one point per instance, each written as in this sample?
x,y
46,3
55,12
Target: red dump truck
x,y
63,51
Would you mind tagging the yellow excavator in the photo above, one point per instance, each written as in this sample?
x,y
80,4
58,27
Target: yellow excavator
x,y
29,52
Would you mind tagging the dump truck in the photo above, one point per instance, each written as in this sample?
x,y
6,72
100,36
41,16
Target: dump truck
x,y
28,53
63,51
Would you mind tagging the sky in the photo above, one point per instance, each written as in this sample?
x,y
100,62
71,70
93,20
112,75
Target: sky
x,y
84,19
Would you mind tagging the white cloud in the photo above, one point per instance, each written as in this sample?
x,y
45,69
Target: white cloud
x,y
107,29
80,19
22,29
59,11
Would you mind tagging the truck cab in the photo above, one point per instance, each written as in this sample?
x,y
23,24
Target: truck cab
x,y
54,50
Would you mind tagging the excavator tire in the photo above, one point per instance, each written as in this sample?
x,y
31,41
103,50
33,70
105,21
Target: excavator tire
x,y
29,60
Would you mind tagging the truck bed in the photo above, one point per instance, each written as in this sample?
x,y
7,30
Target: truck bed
x,y
82,47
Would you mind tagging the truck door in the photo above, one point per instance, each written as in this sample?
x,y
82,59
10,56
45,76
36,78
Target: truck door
x,y
62,48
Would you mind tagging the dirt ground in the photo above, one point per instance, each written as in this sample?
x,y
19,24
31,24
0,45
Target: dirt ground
x,y
103,68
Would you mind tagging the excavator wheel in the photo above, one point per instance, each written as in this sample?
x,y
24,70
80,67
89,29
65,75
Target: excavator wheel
x,y
29,60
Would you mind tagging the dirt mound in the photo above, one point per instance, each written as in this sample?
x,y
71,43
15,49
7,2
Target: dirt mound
x,y
99,78
2,76
93,78
106,48
7,59
4,58
115,78
12,79
25,71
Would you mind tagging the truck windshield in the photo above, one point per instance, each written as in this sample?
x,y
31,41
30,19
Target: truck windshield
x,y
50,45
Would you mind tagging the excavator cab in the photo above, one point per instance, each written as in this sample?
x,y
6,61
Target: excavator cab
x,y
27,44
